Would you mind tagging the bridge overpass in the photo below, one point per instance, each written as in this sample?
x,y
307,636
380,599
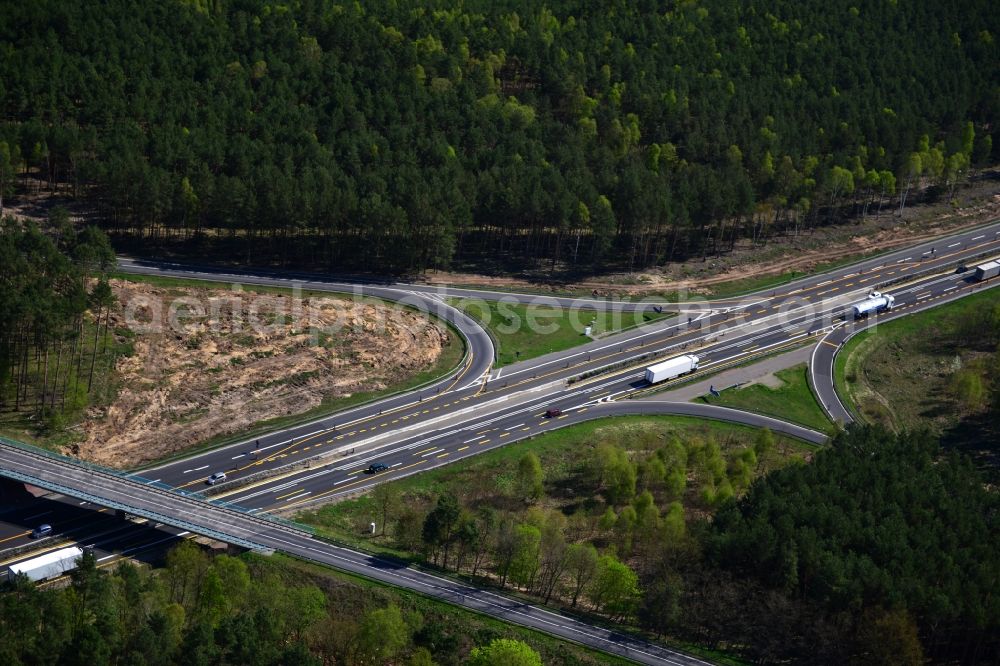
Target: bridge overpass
x,y
192,512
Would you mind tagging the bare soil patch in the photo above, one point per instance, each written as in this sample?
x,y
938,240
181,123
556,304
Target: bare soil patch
x,y
974,204
220,371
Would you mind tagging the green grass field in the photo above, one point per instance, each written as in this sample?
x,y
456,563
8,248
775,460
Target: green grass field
x,y
793,401
526,331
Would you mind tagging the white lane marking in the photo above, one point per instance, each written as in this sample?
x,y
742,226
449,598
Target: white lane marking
x,y
300,496
978,237
515,426
498,374
949,289
198,469
149,483
431,452
473,439
957,244
38,515
239,456
924,295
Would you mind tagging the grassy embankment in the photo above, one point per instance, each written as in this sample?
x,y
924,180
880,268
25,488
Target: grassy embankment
x,y
17,426
900,374
792,401
527,331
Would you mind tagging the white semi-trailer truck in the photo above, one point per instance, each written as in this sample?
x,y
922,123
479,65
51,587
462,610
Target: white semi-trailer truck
x,y
49,565
876,302
990,269
671,368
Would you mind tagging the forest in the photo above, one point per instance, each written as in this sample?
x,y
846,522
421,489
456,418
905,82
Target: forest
x,y
204,610
881,549
396,136
54,306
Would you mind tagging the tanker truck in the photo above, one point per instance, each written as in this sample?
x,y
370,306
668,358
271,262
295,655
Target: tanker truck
x,y
875,303
671,368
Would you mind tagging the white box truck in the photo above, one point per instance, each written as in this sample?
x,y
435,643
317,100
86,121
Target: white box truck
x,y
671,368
49,565
876,302
990,269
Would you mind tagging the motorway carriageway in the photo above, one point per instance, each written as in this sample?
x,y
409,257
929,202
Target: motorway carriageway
x,y
470,386
455,429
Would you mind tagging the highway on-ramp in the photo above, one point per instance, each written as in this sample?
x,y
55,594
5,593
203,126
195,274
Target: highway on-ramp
x,y
822,365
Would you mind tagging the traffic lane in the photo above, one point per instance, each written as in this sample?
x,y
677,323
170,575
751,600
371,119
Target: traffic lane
x,y
929,254
824,356
66,515
325,483
640,340
723,351
629,380
642,343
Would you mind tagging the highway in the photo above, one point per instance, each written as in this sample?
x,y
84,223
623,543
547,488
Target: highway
x,y
312,463
478,408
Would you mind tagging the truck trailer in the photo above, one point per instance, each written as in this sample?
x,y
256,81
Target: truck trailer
x,y
49,565
876,302
671,368
986,271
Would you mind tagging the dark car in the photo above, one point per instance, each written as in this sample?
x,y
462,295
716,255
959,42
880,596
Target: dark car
x,y
375,468
41,531
553,413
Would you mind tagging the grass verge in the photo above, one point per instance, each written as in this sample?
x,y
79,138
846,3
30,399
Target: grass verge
x,y
527,331
899,373
792,401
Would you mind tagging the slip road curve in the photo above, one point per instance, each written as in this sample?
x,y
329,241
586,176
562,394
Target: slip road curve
x,y
824,357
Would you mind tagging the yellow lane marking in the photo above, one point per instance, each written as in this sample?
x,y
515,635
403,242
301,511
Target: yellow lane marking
x,y
425,451
313,498
464,447
443,455
294,492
